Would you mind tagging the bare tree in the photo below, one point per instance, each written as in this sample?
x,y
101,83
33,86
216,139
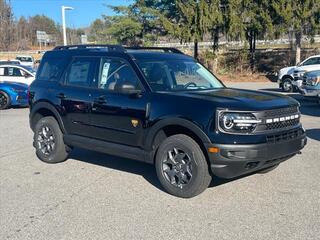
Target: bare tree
x,y
6,25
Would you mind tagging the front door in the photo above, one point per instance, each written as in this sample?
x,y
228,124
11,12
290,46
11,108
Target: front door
x,y
117,117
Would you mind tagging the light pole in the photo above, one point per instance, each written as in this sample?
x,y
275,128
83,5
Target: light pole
x,y
63,8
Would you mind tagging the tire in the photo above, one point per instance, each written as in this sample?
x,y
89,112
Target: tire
x,y
287,85
181,167
269,169
48,141
4,100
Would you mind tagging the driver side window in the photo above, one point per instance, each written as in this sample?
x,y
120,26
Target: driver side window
x,y
114,73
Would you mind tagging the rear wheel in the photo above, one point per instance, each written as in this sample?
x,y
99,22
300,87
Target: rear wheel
x,y
287,85
48,141
4,100
181,167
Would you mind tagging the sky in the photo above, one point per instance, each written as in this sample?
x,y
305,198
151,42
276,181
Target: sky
x,y
85,11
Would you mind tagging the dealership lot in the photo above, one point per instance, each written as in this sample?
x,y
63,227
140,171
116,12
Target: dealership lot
x,y
96,196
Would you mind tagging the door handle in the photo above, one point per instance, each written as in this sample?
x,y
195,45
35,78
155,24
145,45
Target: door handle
x,y
61,96
100,100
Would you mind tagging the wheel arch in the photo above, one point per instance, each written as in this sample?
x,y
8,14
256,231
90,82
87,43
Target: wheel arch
x,y
44,109
169,127
287,76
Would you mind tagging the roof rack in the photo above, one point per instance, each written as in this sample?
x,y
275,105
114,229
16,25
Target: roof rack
x,y
118,48
165,49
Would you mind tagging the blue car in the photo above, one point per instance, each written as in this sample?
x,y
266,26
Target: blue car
x,y
13,94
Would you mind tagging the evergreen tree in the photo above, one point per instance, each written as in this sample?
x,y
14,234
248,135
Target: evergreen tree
x,y
247,20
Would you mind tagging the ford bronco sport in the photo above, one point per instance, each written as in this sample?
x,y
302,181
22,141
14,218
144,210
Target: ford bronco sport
x,y
162,107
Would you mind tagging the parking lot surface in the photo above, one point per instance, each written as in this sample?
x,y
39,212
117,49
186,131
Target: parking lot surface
x,y
96,196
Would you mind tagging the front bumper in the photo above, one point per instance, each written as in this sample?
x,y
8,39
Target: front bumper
x,y
20,99
234,160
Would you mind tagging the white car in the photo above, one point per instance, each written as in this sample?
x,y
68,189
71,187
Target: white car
x,y
26,60
16,73
286,76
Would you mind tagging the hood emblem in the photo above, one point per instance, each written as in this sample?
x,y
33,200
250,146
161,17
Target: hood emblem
x,y
134,122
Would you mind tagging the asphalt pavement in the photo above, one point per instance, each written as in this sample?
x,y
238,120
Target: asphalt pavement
x,y
96,196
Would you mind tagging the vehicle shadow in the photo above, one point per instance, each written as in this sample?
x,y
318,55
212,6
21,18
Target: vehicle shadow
x,y
313,133
147,171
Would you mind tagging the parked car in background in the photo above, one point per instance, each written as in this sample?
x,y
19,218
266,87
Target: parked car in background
x,y
13,94
16,73
15,62
286,76
26,60
311,84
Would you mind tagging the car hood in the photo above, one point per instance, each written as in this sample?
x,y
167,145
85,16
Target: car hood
x,y
239,99
287,70
308,68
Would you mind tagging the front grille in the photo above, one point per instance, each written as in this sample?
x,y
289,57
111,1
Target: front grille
x,y
285,124
278,119
287,136
281,111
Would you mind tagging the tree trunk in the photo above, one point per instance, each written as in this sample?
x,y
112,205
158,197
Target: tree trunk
x,y
215,39
298,46
195,51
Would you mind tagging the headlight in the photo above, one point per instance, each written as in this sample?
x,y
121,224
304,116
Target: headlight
x,y
237,122
299,74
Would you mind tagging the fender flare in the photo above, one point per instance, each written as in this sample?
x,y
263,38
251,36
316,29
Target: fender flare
x,y
174,121
286,76
45,105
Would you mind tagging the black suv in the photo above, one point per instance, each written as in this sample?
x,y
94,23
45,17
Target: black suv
x,y
162,107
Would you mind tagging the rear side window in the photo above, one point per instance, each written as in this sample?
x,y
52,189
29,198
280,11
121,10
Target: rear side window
x,y
51,69
81,72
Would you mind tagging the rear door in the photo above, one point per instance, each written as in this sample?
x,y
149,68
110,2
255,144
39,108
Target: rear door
x,y
117,117
75,95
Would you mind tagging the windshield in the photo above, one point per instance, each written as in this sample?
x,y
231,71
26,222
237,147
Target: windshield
x,y
25,59
177,75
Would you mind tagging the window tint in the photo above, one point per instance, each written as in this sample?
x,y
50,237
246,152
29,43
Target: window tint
x,y
81,72
114,73
177,75
51,69
13,72
312,61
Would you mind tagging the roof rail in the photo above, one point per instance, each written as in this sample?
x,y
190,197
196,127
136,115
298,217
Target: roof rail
x,y
165,49
118,48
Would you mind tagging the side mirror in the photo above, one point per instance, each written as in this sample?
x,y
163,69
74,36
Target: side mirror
x,y
129,89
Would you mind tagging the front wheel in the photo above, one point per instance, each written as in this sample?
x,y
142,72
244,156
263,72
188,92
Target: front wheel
x,y
48,141
181,167
287,85
4,100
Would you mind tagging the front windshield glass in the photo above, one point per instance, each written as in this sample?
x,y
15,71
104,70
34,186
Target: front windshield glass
x,y
177,75
25,59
